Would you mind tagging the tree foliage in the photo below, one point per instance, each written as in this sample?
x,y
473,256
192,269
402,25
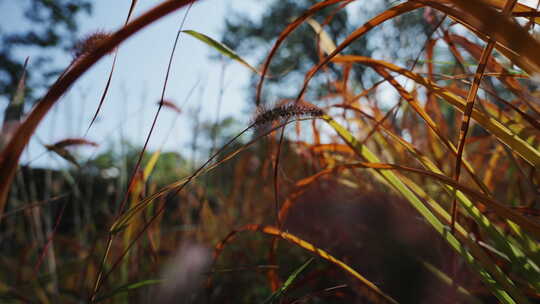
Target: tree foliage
x,y
49,24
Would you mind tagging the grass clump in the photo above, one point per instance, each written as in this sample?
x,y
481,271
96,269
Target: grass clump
x,y
432,197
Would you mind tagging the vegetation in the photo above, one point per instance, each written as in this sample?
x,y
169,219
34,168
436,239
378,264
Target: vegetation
x,y
339,193
47,25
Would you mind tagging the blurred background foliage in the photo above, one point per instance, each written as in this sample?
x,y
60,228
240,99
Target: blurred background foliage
x,y
50,27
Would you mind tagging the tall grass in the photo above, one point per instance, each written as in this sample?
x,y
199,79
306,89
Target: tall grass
x,y
446,179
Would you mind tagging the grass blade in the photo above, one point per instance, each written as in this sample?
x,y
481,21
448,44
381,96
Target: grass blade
x,y
127,288
495,279
281,291
486,53
376,295
220,47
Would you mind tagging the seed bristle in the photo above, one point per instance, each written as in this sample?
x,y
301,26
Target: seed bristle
x,y
89,43
287,111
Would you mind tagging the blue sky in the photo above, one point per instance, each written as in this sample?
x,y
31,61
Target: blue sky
x,y
138,80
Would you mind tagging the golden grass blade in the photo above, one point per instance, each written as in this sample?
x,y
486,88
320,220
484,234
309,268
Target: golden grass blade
x,y
151,165
138,189
375,294
464,293
325,41
492,166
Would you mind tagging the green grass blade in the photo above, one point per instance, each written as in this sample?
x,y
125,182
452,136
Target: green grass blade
x,y
126,288
501,286
281,291
220,47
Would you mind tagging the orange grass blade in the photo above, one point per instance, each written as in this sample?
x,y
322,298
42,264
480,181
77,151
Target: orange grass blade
x,y
388,14
288,30
486,53
331,148
524,149
487,21
431,124
518,10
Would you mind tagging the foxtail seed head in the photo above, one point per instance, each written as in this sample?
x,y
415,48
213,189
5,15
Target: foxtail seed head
x,y
89,43
288,111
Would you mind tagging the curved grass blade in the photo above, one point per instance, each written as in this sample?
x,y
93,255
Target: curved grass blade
x,y
529,153
487,22
109,79
220,47
325,41
388,14
376,295
284,34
